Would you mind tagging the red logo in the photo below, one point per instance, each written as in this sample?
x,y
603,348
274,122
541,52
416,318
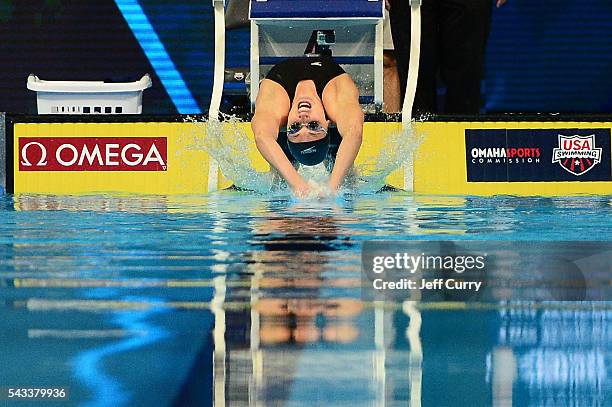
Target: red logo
x,y
93,154
577,154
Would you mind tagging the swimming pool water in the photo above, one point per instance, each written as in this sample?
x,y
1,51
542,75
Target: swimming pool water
x,y
254,300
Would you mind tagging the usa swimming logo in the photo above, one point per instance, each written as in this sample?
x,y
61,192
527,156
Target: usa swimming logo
x,y
577,154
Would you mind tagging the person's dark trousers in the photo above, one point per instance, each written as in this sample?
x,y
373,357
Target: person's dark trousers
x,y
453,43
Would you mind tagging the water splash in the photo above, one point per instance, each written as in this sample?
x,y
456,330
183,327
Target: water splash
x,y
398,149
231,146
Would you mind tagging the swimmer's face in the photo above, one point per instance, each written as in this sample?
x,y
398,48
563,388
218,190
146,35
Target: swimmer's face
x,y
307,115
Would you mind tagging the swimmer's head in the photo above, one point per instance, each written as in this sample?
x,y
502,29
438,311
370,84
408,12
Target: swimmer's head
x,y
310,147
307,107
307,127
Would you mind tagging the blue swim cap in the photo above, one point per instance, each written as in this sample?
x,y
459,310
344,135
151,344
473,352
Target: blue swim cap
x,y
310,152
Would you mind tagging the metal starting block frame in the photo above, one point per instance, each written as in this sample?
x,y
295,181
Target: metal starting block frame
x,y
282,28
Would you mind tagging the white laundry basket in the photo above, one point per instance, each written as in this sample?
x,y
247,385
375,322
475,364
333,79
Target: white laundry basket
x,y
73,97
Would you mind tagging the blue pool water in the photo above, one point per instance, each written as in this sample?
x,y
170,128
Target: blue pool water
x,y
252,300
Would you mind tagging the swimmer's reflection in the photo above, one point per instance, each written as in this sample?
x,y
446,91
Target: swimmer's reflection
x,y
306,236
295,252
305,320
292,315
300,321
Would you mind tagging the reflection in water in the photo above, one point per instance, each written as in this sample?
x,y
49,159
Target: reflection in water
x,y
88,365
252,301
308,343
558,356
94,203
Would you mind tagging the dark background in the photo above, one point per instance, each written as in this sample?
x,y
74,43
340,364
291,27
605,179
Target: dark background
x,y
543,56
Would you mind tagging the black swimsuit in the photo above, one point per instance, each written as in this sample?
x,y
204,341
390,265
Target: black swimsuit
x,y
320,70
290,72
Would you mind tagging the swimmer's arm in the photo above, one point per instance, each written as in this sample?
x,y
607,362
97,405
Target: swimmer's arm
x,y
348,116
265,129
266,124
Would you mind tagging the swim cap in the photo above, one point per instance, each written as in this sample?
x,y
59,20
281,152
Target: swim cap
x,y
310,152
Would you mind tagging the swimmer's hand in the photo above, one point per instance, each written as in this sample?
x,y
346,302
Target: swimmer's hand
x,y
333,187
320,191
311,190
301,189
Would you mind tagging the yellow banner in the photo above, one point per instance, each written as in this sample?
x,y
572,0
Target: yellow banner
x,y
441,163
172,158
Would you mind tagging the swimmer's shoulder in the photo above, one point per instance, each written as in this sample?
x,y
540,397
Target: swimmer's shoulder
x,y
273,100
340,87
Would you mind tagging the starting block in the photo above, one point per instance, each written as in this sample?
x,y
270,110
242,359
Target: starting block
x,y
282,29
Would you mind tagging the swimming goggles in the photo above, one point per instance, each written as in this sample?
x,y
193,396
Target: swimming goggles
x,y
313,126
